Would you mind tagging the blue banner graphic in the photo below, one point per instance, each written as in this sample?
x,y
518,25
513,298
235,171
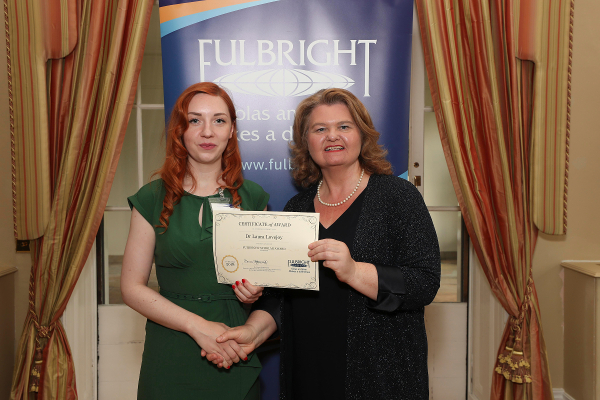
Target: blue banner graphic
x,y
271,54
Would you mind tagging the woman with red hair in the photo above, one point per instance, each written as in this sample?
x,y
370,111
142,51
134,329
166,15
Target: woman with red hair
x,y
171,224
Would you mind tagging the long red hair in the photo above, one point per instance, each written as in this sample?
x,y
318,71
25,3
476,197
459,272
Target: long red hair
x,y
176,166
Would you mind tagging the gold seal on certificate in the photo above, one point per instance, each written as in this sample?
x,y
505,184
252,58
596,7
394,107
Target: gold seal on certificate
x,y
230,264
266,248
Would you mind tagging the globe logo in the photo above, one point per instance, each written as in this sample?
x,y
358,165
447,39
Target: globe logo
x,y
283,82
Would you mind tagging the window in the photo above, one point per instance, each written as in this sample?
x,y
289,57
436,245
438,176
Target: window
x,y
142,153
429,172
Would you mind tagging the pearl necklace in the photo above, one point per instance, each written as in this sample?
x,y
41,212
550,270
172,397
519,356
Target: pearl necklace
x,y
343,201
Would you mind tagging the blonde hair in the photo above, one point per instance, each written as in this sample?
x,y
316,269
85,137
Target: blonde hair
x,y
372,155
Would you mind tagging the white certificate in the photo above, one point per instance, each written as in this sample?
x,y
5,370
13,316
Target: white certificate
x,y
266,248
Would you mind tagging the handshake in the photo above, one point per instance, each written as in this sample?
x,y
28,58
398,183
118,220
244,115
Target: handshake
x,y
232,346
224,346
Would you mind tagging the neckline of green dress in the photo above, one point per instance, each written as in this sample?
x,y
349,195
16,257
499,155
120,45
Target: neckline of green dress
x,y
206,229
186,193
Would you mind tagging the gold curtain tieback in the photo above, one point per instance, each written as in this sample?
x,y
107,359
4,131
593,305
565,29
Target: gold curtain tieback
x,y
512,363
38,359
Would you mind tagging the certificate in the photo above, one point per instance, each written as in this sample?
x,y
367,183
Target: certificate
x,y
266,248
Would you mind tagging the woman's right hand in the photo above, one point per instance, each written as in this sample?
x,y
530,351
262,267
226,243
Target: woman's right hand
x,y
244,336
205,334
259,327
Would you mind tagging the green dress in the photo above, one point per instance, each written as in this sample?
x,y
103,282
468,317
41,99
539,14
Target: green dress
x,y
172,367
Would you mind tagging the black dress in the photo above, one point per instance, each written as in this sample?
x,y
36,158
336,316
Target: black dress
x,y
320,320
385,340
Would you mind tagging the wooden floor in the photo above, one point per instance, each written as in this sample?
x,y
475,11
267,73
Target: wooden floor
x,y
448,292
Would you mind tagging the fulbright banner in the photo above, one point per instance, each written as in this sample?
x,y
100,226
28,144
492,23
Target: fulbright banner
x,y
271,54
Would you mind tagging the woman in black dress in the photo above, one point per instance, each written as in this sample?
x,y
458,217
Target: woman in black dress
x,y
362,336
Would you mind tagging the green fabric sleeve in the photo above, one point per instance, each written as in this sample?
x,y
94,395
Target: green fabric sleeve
x,y
145,200
254,198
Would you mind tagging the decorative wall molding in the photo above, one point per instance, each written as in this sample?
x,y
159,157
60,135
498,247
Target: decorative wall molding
x,y
7,270
487,320
560,394
80,322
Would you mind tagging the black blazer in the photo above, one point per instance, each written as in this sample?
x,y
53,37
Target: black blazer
x,y
386,341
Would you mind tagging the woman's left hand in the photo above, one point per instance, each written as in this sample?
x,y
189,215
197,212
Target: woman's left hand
x,y
246,292
336,256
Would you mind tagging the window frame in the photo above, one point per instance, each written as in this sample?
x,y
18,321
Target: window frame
x,y
416,166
